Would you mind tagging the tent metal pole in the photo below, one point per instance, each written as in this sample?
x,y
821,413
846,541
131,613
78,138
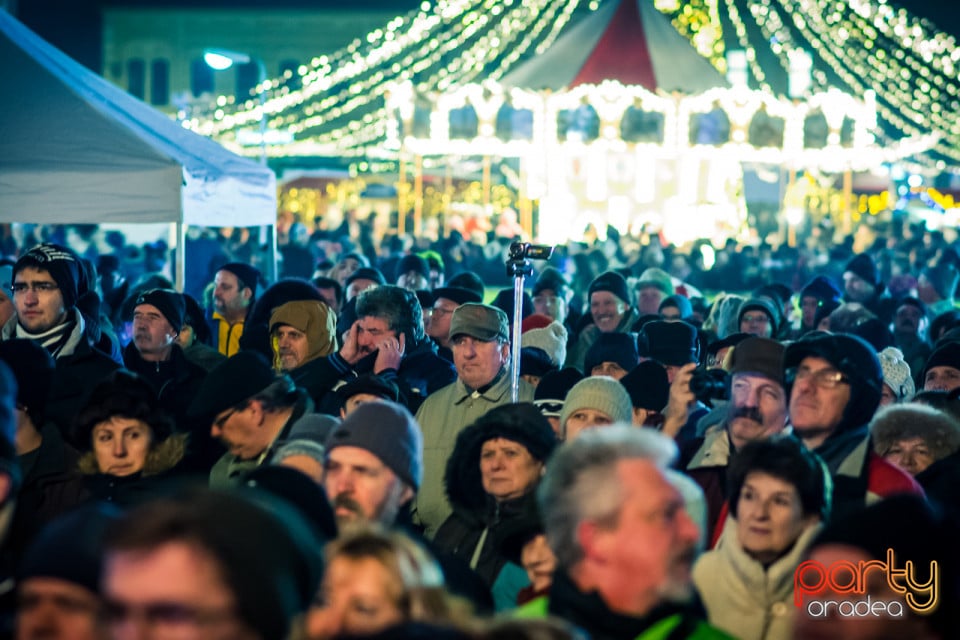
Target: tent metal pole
x,y
181,253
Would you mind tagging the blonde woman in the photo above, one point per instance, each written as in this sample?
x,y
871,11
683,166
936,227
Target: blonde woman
x,y
375,580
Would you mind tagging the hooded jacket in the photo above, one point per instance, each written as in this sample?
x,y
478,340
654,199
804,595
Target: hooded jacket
x,y
860,476
480,524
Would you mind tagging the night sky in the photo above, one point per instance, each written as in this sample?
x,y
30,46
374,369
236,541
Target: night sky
x,y
74,25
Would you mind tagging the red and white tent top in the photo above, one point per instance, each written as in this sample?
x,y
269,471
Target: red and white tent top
x,y
629,41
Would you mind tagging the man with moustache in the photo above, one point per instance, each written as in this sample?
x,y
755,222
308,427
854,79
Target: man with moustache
x,y
623,540
373,464
757,410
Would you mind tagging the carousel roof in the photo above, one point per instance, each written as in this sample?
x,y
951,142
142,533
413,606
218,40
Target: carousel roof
x,y
629,41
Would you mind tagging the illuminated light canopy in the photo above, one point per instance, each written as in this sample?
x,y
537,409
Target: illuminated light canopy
x,y
336,103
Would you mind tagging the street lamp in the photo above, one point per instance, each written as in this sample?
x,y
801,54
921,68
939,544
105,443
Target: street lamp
x,y
223,59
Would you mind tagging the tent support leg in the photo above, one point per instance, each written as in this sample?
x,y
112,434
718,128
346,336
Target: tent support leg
x,y
180,274
272,264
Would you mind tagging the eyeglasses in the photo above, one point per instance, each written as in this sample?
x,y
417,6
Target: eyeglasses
x,y
222,420
168,619
36,287
758,318
824,378
440,311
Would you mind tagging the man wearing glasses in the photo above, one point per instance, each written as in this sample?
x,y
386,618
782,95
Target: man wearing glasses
x,y
446,300
47,282
835,383
252,412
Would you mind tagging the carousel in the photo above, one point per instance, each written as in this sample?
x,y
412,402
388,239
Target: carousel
x,y
633,114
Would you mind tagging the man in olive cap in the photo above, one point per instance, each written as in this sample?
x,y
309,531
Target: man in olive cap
x,y
480,340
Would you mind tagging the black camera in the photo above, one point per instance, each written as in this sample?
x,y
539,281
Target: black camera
x,y
527,251
710,384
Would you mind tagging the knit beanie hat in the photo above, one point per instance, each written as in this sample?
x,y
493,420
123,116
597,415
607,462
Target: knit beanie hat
x,y
412,262
61,263
620,348
761,304
534,361
33,367
535,321
601,394
168,302
862,265
552,339
658,278
946,355
247,275
468,280
70,548
944,278
300,491
552,391
388,431
521,423
648,386
682,304
504,301
756,355
896,373
551,278
310,317
822,288
231,382
612,282
459,295
365,273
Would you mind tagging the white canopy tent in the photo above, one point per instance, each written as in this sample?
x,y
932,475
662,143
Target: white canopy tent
x,y
75,149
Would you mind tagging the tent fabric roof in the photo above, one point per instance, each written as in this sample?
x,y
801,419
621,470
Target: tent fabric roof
x,y
75,148
629,41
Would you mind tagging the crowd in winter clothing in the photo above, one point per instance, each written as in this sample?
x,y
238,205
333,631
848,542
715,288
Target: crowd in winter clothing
x,y
354,451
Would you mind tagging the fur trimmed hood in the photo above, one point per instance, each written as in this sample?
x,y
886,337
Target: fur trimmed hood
x,y
522,423
161,457
940,431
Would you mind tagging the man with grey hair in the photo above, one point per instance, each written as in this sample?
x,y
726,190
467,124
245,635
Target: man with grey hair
x,y
623,539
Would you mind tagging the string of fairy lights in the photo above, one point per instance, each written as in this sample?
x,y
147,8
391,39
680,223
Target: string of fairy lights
x,y
336,104
866,45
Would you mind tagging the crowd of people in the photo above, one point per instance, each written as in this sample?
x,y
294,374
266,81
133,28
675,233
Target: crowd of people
x,y
763,448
